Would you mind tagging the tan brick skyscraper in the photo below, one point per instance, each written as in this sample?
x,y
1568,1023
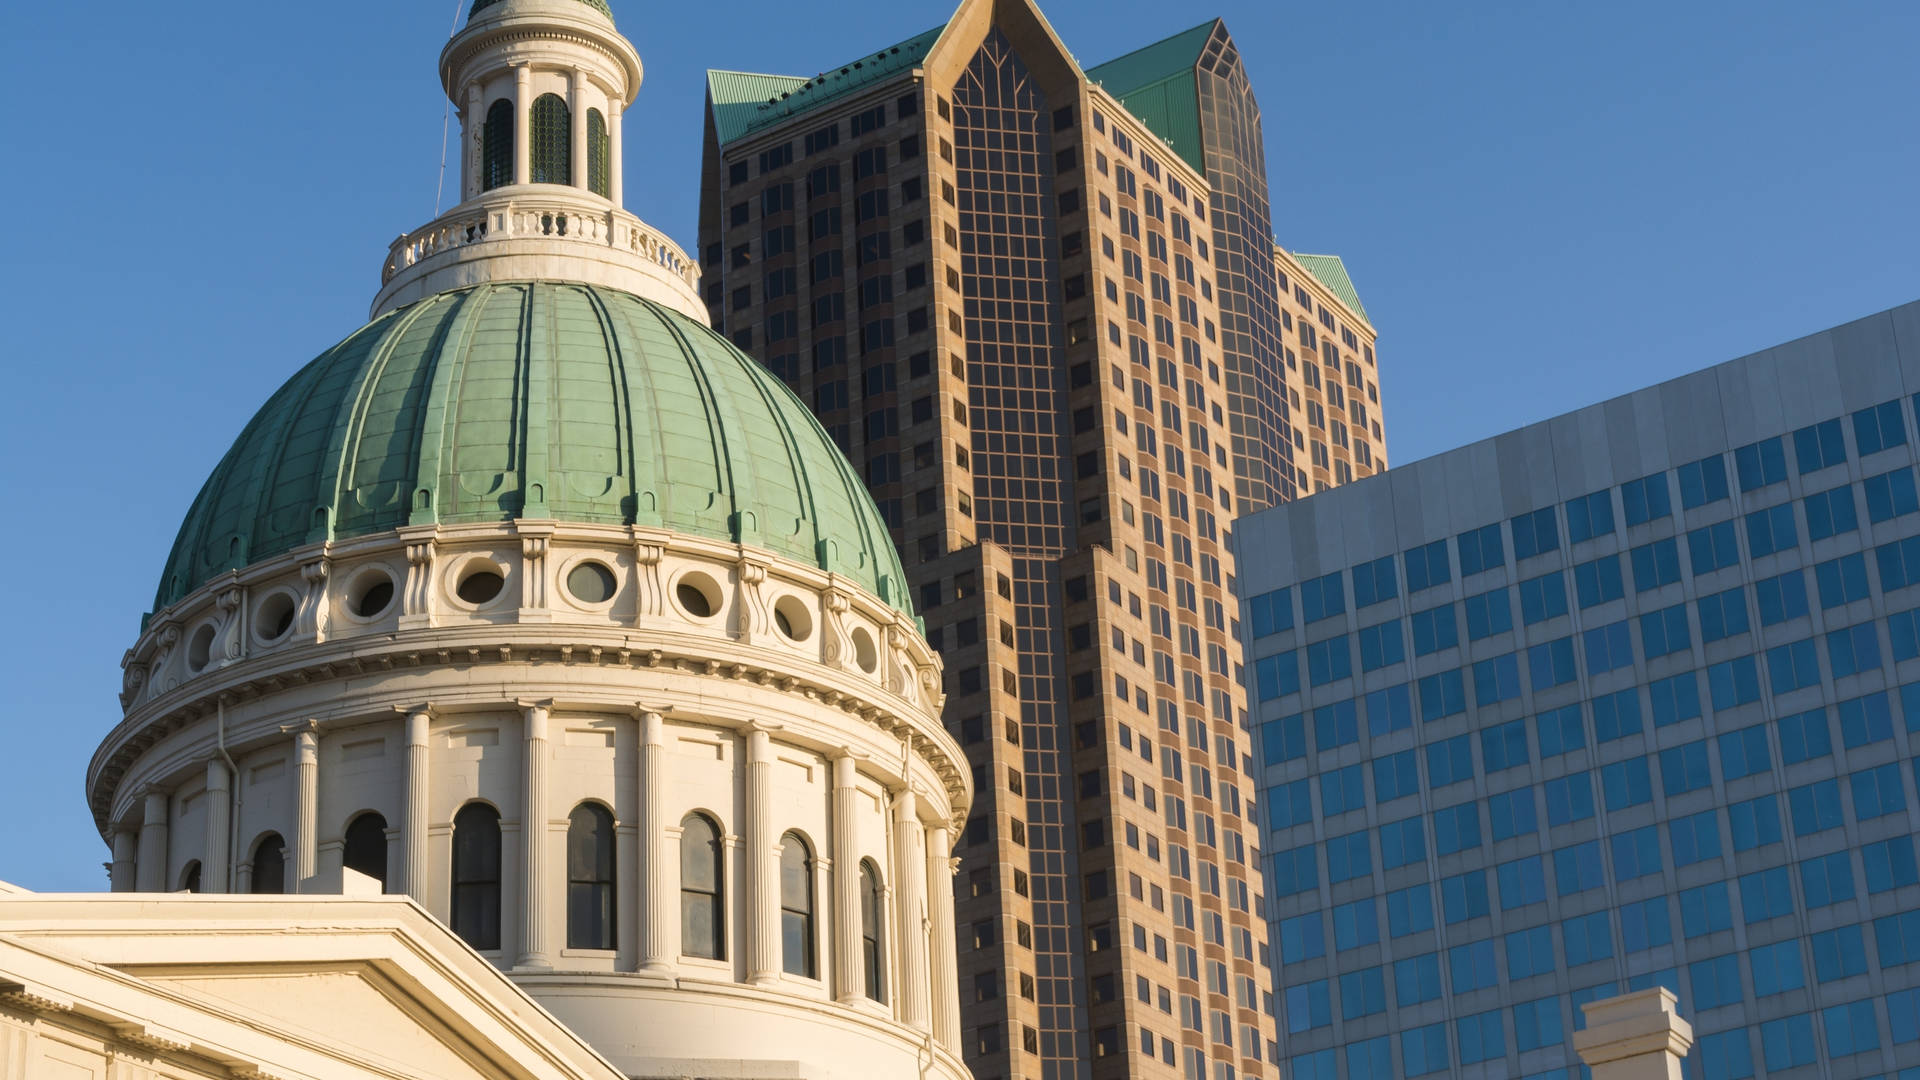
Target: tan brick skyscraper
x,y
998,289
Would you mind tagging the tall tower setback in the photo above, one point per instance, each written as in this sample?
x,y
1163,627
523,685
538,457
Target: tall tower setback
x,y
996,287
537,601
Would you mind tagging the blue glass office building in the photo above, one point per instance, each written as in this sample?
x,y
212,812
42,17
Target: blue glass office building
x,y
1630,696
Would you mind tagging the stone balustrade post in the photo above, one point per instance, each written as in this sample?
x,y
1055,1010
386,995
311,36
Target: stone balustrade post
x,y
1637,1036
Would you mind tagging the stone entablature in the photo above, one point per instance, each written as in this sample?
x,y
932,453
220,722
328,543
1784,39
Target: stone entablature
x,y
847,650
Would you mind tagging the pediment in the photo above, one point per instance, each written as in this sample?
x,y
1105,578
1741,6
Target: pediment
x,y
391,1031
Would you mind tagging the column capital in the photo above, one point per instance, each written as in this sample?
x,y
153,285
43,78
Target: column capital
x,y
424,708
545,704
309,727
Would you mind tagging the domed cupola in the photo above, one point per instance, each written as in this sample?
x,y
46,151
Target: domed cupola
x,y
536,600
541,87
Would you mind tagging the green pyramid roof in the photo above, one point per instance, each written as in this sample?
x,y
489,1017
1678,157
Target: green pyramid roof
x,y
1331,272
744,103
1158,85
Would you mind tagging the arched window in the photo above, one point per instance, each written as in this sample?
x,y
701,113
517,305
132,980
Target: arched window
x,y
190,877
599,155
590,878
269,865
366,849
476,875
796,907
496,147
702,916
872,959
552,140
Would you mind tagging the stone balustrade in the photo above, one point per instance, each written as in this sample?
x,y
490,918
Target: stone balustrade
x,y
525,225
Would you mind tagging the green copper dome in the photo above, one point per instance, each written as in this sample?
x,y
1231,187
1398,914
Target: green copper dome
x,y
535,400
481,5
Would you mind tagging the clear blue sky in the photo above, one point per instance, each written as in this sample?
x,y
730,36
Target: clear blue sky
x,y
1542,205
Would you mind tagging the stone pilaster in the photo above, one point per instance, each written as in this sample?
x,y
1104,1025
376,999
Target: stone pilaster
x,y
126,858
762,862
577,105
413,842
216,861
534,884
944,959
151,871
910,911
306,805
615,173
659,927
473,124
522,124
849,973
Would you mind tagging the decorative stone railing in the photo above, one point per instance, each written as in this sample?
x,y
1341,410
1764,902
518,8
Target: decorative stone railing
x,y
522,224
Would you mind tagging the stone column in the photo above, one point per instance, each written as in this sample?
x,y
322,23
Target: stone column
x,y
1637,1036
216,861
533,840
522,125
473,138
849,973
151,870
126,848
306,806
944,960
659,929
910,911
577,107
762,862
614,171
413,841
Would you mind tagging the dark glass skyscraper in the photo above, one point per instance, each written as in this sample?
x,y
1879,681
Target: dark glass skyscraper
x,y
1193,88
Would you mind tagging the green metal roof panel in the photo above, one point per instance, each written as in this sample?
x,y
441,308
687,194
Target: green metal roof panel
x,y
481,5
1158,86
537,400
1177,55
1331,272
744,103
739,98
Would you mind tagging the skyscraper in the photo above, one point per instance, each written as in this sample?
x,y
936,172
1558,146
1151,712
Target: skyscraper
x,y
997,287
1333,380
1193,90
1622,698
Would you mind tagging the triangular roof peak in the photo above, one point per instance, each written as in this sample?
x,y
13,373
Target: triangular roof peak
x,y
338,986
